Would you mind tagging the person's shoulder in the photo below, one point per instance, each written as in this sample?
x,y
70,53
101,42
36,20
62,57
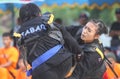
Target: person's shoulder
x,y
1,50
115,23
94,46
89,48
117,65
115,26
13,48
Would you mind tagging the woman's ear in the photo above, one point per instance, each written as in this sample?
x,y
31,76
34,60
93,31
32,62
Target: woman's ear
x,y
97,36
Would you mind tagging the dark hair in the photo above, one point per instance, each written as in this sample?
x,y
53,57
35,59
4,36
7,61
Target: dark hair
x,y
7,34
117,11
101,26
28,11
83,15
58,20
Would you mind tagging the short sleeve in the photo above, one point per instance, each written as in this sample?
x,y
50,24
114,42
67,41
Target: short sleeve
x,y
14,55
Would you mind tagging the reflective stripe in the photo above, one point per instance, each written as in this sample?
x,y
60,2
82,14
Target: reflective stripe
x,y
51,19
16,34
99,52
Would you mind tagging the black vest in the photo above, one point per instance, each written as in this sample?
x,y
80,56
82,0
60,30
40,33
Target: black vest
x,y
44,42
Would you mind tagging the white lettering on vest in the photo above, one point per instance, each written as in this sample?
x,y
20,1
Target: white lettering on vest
x,y
34,29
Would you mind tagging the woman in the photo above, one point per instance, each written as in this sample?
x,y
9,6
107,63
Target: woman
x,y
90,61
45,53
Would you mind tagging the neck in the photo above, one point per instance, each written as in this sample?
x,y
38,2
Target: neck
x,y
90,41
7,46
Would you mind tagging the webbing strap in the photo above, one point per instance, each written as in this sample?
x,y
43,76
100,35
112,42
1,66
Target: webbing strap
x,y
102,56
51,19
100,52
44,57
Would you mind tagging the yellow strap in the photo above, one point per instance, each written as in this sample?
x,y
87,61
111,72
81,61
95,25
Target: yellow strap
x,y
99,52
16,35
51,19
72,69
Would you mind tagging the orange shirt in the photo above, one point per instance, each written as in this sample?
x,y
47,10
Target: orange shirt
x,y
2,57
9,54
109,72
21,72
22,75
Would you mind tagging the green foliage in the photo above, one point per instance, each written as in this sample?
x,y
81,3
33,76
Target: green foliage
x,y
107,16
69,14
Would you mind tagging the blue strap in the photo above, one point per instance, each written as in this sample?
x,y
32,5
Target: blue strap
x,y
29,72
44,57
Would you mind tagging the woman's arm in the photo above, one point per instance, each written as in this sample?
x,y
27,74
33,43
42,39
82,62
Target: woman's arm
x,y
70,43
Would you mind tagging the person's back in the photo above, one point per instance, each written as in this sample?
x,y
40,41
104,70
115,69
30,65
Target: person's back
x,y
43,43
39,40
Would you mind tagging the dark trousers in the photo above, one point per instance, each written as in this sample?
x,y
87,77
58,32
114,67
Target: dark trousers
x,y
96,74
56,72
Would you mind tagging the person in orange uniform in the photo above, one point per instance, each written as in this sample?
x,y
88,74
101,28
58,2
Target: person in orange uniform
x,y
21,72
116,66
8,58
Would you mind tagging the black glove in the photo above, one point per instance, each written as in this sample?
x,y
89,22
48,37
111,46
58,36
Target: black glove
x,y
80,56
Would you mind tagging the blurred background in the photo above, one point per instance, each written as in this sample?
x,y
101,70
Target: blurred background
x,y
68,13
66,10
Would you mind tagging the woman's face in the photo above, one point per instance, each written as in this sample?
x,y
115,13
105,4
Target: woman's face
x,y
89,32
